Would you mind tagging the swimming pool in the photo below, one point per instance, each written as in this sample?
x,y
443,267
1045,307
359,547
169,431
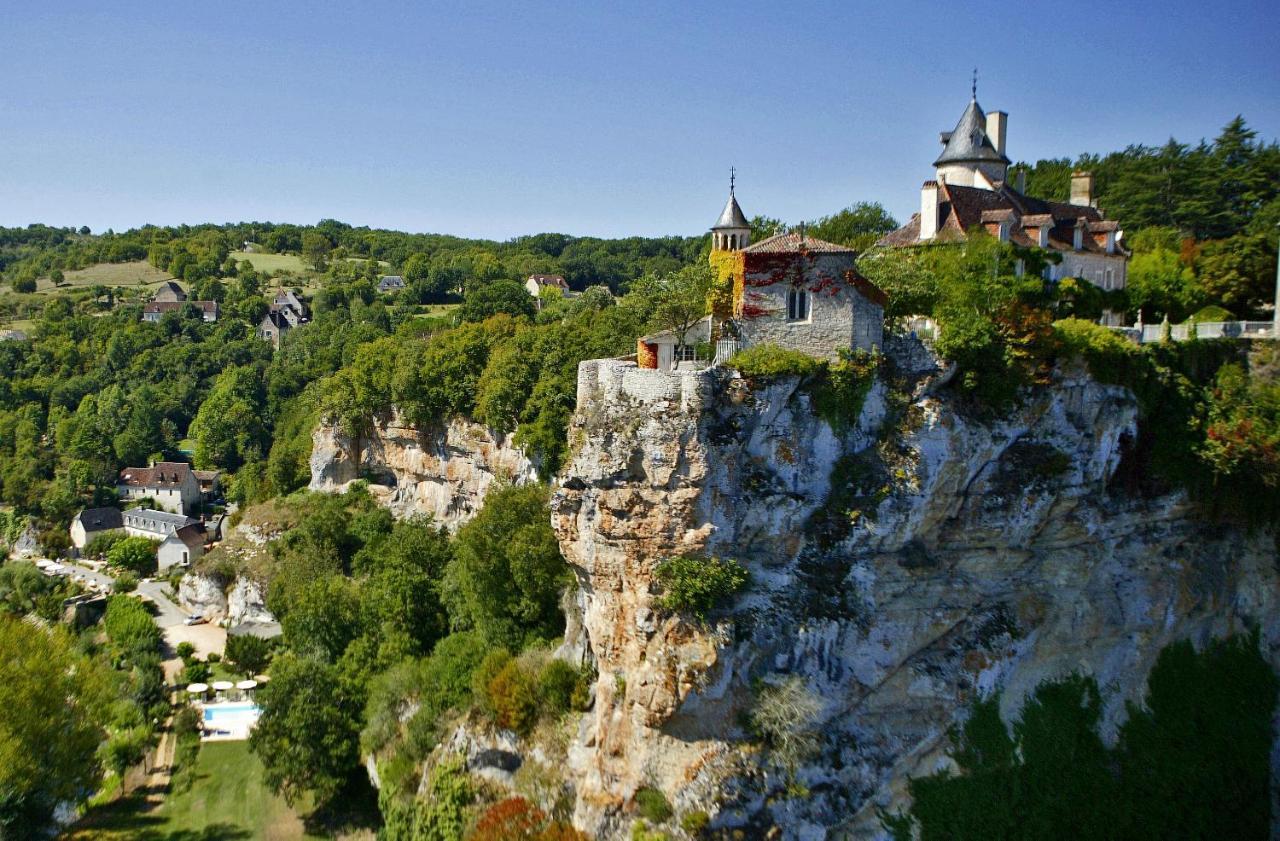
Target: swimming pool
x,y
229,720
217,713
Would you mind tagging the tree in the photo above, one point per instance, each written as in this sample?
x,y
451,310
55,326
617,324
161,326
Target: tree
x,y
507,573
137,554
677,300
228,428
315,249
50,700
247,653
857,226
1239,272
307,736
500,296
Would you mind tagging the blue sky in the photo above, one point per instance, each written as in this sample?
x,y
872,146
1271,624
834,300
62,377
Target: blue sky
x,y
487,119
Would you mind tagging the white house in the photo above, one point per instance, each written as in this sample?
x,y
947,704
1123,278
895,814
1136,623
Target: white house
x,y
172,484
970,190
536,283
92,522
182,547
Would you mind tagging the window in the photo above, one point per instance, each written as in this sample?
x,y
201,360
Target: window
x,y
1111,279
797,305
686,353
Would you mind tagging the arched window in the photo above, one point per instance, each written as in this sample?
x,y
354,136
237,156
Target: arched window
x,y
797,304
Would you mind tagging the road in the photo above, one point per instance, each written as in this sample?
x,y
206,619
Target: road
x,y
207,638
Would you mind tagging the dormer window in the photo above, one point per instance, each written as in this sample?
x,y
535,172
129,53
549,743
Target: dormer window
x,y
797,304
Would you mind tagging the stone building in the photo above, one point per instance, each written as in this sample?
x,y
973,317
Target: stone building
x,y
172,484
970,190
155,310
169,292
790,290
92,522
181,547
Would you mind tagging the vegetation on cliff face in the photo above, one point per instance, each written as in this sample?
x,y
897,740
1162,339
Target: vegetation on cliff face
x,y
1192,761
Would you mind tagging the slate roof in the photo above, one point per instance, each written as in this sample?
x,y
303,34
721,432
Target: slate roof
x,y
969,142
100,519
555,280
173,289
793,243
175,306
192,534
961,208
155,520
390,281
732,216
162,474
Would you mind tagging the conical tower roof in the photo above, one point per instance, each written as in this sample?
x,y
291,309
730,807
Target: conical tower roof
x,y
969,142
732,215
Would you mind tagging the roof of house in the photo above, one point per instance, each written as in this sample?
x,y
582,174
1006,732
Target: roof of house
x,y
969,142
207,475
171,286
154,516
162,474
286,298
276,316
192,534
391,281
175,306
549,280
961,208
100,519
795,243
732,215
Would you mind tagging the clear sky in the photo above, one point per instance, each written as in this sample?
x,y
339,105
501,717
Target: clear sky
x,y
488,119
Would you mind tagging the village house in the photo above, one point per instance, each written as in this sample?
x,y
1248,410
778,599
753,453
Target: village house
x,y
390,283
285,312
169,292
790,290
970,190
172,484
155,310
537,283
181,547
92,522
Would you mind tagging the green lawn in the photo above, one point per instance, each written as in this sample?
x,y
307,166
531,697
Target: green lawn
x,y
227,802
271,263
129,275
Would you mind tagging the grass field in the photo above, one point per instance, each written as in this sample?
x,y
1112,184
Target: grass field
x,y
271,263
227,802
128,275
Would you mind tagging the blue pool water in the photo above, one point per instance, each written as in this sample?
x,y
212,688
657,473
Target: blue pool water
x,y
229,712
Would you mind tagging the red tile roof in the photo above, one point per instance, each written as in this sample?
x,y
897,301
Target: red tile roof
x,y
162,474
793,243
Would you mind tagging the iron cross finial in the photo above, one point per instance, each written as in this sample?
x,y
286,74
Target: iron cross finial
x,y
733,174
975,83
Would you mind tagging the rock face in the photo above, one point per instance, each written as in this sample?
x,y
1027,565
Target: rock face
x,y
444,473
958,557
213,598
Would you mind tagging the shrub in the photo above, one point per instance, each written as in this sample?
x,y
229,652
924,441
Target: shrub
x,y
768,360
101,544
513,697
492,664
698,585
214,657
512,819
694,822
137,554
442,814
126,582
186,649
785,717
652,805
557,684
840,391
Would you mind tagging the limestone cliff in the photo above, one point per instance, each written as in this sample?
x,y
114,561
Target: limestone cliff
x,y
955,557
444,472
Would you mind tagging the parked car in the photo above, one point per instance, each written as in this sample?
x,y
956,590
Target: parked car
x,y
195,619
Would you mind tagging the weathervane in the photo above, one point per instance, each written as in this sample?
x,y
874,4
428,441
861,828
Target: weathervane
x,y
733,173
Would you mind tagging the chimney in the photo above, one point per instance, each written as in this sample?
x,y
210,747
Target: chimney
x,y
1082,188
1021,185
997,126
929,210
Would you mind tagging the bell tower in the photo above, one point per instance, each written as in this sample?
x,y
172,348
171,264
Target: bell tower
x,y
732,231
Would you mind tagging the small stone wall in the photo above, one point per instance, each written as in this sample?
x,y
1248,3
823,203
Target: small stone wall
x,y
607,382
